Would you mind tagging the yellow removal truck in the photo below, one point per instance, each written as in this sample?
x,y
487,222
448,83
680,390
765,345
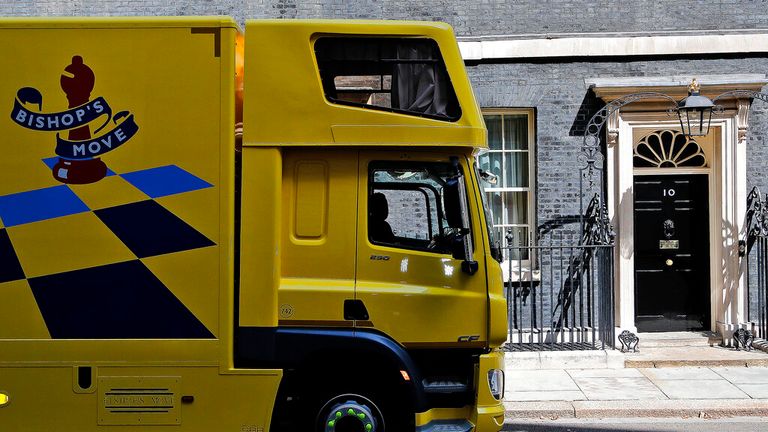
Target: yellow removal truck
x,y
327,268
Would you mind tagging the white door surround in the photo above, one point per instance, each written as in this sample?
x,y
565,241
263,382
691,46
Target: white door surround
x,y
727,203
727,206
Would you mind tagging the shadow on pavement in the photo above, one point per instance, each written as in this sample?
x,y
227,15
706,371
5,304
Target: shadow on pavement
x,y
554,427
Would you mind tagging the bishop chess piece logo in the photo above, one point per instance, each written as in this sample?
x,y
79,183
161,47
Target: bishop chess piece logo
x,y
79,153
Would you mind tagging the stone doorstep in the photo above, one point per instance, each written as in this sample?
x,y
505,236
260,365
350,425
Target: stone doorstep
x,y
760,344
706,408
681,356
679,339
649,364
685,355
592,359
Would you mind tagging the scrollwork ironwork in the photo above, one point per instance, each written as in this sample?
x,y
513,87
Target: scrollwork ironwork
x,y
597,225
744,338
741,94
596,123
629,341
756,221
591,157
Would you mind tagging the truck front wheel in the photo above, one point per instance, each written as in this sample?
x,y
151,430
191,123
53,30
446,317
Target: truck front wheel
x,y
350,413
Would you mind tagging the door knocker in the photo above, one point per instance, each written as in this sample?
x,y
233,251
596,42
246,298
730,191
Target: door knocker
x,y
669,228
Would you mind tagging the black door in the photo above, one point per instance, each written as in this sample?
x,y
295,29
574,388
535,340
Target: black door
x,y
671,253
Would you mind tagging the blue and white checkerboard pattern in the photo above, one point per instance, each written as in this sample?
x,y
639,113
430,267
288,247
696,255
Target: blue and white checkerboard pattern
x,y
99,300
57,201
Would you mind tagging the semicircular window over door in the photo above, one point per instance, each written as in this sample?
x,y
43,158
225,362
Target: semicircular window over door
x,y
668,149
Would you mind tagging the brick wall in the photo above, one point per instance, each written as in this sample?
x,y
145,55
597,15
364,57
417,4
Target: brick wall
x,y
563,105
482,17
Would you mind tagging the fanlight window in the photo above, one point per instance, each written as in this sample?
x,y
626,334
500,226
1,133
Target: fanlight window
x,y
669,149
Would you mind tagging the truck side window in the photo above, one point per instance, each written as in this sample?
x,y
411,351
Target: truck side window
x,y
406,206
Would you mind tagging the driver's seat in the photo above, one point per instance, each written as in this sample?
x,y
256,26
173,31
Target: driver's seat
x,y
379,229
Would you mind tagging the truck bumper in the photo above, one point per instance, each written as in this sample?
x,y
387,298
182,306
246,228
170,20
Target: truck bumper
x,y
489,419
488,415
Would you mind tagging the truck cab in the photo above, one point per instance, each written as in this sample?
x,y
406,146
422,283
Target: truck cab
x,y
358,166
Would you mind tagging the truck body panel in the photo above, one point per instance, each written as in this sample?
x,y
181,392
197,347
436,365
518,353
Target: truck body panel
x,y
133,255
127,278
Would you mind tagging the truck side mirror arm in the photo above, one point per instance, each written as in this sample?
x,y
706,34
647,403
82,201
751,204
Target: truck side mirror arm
x,y
467,265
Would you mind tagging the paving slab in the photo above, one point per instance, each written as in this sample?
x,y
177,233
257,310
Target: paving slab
x,y
549,409
670,408
755,391
618,388
754,375
593,359
605,373
522,360
638,424
560,395
539,380
688,373
701,389
637,409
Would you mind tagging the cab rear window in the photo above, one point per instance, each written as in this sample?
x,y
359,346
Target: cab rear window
x,y
401,75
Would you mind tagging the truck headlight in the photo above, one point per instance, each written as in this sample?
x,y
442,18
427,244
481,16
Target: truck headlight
x,y
496,383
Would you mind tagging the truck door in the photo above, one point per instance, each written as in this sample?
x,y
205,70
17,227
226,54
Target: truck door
x,y
408,282
318,239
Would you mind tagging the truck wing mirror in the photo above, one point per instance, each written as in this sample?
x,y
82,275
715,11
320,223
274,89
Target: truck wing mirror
x,y
461,248
457,246
452,201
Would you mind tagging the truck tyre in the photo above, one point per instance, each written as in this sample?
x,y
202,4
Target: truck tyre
x,y
350,413
361,412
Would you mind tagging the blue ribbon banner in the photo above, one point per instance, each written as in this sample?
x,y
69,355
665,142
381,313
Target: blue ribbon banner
x,y
125,125
86,149
65,120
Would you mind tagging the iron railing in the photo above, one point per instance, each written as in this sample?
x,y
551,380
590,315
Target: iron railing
x,y
560,289
754,248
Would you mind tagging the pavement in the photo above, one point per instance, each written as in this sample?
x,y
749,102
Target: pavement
x,y
709,392
737,424
669,378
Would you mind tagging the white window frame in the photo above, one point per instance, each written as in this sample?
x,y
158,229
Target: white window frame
x,y
531,188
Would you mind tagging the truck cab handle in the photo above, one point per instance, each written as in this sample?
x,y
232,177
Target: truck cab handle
x,y
355,310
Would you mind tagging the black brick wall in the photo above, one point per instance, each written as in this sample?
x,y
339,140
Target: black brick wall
x,y
482,17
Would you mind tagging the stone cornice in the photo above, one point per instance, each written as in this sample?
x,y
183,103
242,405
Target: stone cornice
x,y
548,46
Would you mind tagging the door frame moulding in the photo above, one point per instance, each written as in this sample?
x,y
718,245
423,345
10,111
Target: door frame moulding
x,y
727,207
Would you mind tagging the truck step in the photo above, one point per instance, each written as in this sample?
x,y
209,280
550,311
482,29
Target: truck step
x,y
443,385
447,426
